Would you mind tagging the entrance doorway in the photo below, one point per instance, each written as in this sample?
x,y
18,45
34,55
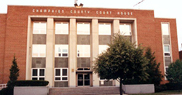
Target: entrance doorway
x,y
84,79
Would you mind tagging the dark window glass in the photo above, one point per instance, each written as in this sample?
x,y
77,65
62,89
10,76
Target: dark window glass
x,y
87,82
57,78
41,72
58,72
34,72
59,54
64,72
34,78
41,78
64,78
80,69
86,68
64,54
167,54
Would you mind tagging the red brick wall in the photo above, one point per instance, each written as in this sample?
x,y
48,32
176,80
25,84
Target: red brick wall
x,y
2,40
174,41
148,31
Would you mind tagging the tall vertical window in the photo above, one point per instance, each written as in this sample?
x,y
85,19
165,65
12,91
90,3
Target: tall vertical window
x,y
83,45
38,50
166,44
61,54
165,29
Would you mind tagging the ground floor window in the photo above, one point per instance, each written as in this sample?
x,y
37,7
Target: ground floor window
x,y
38,73
61,74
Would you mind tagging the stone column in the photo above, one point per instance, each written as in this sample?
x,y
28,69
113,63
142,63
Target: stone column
x,y
95,48
72,53
49,74
115,31
116,26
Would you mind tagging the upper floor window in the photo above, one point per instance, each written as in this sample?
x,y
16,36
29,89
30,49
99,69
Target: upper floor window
x,y
167,50
165,29
61,50
83,28
125,29
83,50
104,29
61,28
39,28
103,48
38,50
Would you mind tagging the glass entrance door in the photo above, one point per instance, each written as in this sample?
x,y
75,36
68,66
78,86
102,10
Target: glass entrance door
x,y
84,79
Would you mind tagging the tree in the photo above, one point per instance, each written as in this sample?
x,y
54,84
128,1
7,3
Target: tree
x,y
174,72
122,61
155,76
14,73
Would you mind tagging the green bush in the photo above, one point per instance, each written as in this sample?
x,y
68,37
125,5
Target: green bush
x,y
173,86
6,91
160,88
31,83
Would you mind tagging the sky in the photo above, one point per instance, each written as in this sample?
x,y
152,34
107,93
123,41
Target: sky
x,y
162,8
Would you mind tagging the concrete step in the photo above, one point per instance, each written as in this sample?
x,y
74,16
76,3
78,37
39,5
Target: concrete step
x,y
84,91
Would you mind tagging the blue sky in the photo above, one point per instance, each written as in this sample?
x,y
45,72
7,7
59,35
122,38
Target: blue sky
x,y
162,8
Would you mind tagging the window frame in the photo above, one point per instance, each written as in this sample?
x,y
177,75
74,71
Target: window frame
x,y
82,32
103,32
39,29
83,53
61,74
66,45
61,23
38,73
39,49
130,34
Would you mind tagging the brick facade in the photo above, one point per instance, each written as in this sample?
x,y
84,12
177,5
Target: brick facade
x,y
14,27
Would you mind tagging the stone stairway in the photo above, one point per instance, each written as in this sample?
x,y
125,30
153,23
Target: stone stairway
x,y
84,91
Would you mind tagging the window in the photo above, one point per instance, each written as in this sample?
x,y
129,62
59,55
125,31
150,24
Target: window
x,y
61,28
83,50
39,28
38,74
125,29
104,29
103,48
83,28
61,74
61,50
167,50
38,50
165,29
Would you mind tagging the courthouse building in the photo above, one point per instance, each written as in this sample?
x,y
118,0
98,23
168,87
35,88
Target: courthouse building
x,y
60,44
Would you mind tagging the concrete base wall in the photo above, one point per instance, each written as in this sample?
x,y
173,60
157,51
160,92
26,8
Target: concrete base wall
x,y
35,90
135,89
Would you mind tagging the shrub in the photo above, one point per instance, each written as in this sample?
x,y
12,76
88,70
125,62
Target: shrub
x,y
31,83
6,91
173,86
159,88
